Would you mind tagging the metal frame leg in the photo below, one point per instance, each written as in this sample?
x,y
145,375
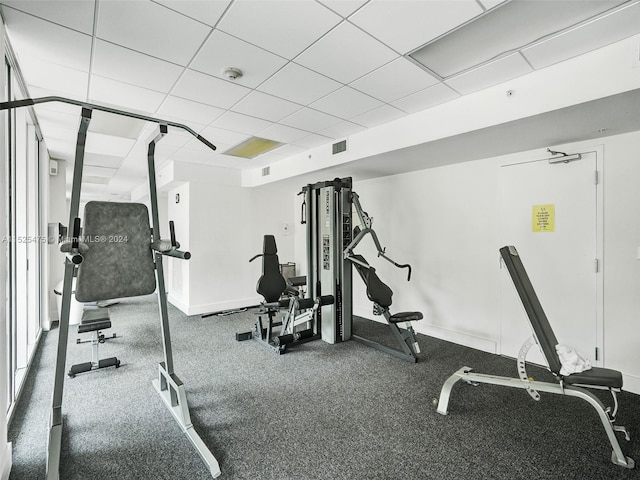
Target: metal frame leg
x,y
617,456
168,385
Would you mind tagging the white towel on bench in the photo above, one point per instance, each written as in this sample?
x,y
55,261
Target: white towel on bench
x,y
571,360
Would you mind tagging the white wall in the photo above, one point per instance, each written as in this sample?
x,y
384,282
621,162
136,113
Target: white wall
x,y
621,258
56,212
445,222
5,448
222,226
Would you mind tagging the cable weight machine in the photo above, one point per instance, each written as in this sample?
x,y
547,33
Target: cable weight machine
x,y
327,212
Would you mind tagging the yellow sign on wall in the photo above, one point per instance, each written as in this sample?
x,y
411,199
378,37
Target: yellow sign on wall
x,y
543,218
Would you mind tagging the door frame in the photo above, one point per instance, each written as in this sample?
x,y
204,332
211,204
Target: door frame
x,y
598,150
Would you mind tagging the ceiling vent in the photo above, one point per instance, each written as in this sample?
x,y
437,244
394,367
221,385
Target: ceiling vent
x,y
339,147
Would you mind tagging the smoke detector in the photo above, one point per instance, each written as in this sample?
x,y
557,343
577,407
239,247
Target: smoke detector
x,y
231,73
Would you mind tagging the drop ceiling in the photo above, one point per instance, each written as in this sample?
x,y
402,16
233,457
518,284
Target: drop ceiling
x,y
314,72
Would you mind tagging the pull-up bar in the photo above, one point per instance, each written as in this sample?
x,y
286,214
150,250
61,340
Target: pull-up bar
x,y
29,102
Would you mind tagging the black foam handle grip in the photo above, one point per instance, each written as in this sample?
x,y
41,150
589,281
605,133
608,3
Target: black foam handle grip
x,y
206,142
172,233
327,300
75,239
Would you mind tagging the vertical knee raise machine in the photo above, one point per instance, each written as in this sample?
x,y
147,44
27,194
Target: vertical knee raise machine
x,y
327,211
118,256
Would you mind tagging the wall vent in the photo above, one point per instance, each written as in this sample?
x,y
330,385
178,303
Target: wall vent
x,y
266,171
339,147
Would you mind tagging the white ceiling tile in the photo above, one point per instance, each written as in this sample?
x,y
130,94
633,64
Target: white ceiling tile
x,y
188,110
98,171
380,115
50,118
346,53
196,144
429,97
280,26
346,103
240,123
343,7
219,136
55,107
342,129
128,66
289,150
394,80
309,119
313,140
108,145
124,96
299,84
490,74
68,81
210,90
268,158
144,26
611,28
262,105
489,4
99,160
59,149
221,51
33,38
194,154
68,13
116,125
282,133
53,131
407,24
208,12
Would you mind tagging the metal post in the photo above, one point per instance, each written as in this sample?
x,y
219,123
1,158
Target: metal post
x,y
168,385
162,293
55,421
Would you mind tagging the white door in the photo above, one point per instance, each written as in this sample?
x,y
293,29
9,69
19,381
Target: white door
x,y
549,213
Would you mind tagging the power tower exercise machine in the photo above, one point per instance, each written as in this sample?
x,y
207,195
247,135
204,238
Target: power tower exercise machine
x,y
117,254
327,211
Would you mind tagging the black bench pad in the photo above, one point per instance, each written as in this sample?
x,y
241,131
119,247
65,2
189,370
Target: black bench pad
x,y
405,317
604,377
96,319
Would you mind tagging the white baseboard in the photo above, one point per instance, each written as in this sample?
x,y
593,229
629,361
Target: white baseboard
x,y
214,307
5,461
631,383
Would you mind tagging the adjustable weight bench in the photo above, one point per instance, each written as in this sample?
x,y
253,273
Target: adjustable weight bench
x,y
380,294
574,385
94,320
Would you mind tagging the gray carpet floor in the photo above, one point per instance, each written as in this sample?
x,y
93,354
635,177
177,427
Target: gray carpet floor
x,y
320,411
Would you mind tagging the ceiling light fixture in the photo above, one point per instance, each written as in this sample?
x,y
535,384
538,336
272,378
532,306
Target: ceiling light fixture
x,y
503,30
253,147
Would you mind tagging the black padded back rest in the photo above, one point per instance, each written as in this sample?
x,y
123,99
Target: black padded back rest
x,y
271,284
377,291
119,262
537,317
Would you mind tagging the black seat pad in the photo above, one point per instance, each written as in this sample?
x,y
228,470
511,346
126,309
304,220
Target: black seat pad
x,y
95,319
93,326
405,317
603,377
